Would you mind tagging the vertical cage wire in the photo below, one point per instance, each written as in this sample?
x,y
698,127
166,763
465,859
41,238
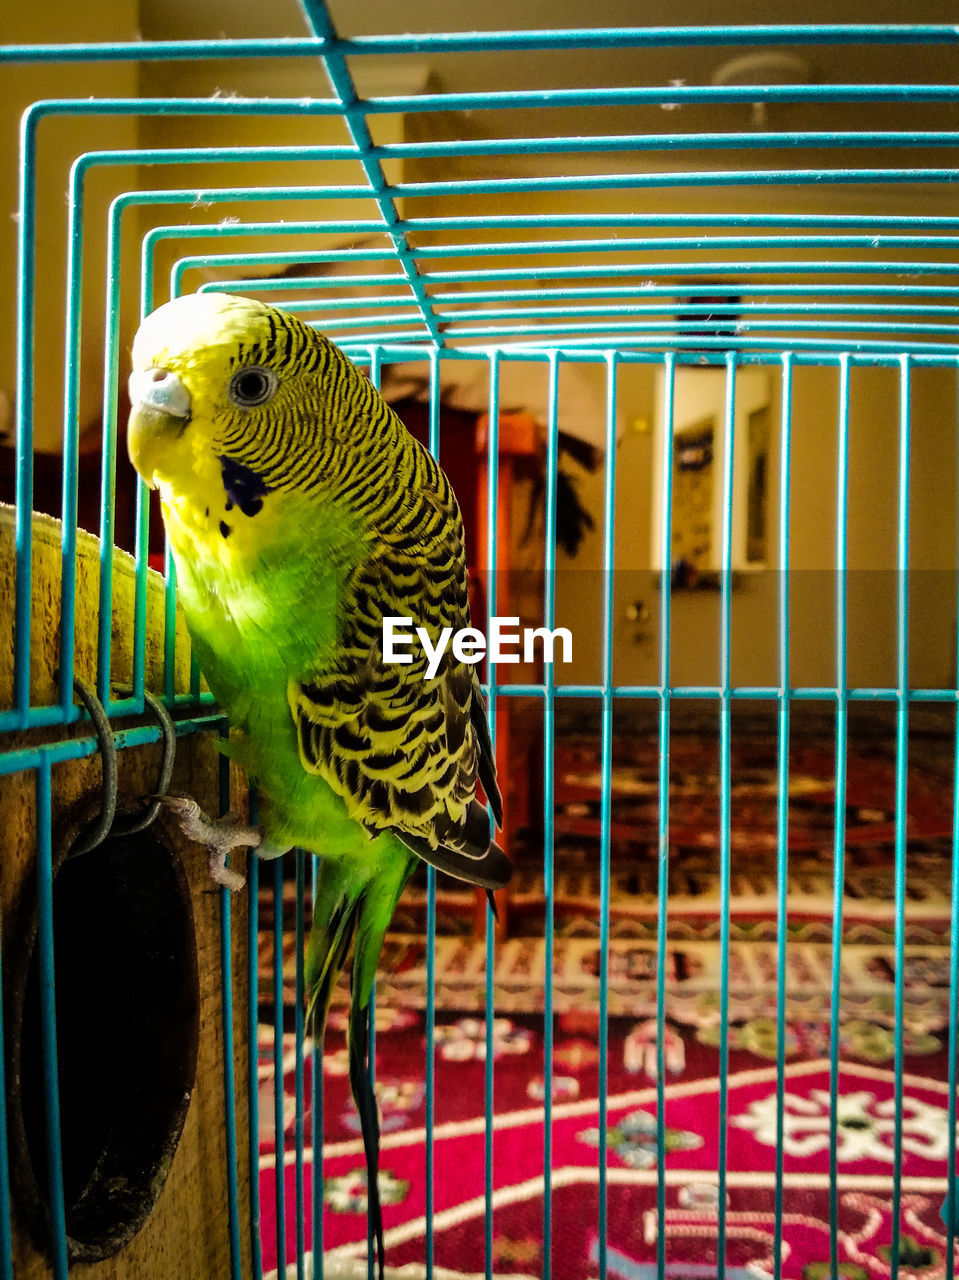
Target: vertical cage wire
x,y
549,767
662,783
782,786
839,846
606,785
279,1117
6,1241
48,1015
376,358
492,595
951,1204
317,1111
253,1052
299,940
24,424
229,1087
429,1098
902,759
725,787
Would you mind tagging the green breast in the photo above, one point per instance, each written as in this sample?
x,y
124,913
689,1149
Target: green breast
x,y
262,610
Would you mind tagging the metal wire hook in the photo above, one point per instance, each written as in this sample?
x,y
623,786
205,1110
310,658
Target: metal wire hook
x,y
108,754
106,824
129,826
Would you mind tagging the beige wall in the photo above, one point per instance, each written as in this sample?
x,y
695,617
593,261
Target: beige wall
x,y
872,542
296,79
60,141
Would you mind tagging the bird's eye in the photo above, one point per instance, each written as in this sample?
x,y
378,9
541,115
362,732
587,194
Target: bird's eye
x,y
252,387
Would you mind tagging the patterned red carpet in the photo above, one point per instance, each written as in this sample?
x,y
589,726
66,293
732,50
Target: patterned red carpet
x,y
865,1153
866,1119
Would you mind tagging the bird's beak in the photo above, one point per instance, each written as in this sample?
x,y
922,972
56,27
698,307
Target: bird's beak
x,y
159,413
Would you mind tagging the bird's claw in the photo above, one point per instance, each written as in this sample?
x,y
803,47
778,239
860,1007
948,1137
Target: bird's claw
x,y
220,835
221,873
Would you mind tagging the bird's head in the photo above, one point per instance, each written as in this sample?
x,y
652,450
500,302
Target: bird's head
x,y
224,380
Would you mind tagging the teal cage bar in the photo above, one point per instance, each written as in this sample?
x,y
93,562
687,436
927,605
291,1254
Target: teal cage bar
x,y
642,258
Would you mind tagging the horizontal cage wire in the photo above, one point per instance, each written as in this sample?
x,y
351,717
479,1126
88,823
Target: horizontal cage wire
x,y
675,309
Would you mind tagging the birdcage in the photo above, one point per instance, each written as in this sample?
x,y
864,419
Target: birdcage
x,y
675,306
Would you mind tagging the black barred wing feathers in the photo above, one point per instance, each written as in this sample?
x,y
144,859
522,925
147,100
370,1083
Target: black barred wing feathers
x,y
403,751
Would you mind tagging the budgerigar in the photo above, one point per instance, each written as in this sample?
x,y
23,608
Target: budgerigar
x,y
300,513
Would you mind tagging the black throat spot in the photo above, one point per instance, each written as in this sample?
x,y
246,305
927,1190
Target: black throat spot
x,y
243,487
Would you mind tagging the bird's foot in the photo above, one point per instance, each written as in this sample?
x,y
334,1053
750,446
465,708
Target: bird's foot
x,y
220,835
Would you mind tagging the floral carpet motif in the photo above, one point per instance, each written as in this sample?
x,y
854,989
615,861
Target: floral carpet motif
x,y
866,1124
867,1115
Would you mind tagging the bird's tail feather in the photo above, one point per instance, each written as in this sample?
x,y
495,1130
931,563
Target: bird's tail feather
x,y
354,906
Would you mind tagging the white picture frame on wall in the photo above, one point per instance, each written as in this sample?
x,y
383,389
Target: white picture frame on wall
x,y
699,447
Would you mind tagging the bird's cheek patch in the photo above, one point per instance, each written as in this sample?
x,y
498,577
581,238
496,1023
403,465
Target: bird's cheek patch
x,y
244,488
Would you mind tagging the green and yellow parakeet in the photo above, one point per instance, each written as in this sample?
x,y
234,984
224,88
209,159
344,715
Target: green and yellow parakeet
x,y
301,513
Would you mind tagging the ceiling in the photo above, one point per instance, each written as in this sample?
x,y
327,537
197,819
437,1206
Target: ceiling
x,y
478,71
687,63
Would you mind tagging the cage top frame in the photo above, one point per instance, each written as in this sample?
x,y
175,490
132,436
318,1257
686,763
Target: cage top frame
x,y
655,279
